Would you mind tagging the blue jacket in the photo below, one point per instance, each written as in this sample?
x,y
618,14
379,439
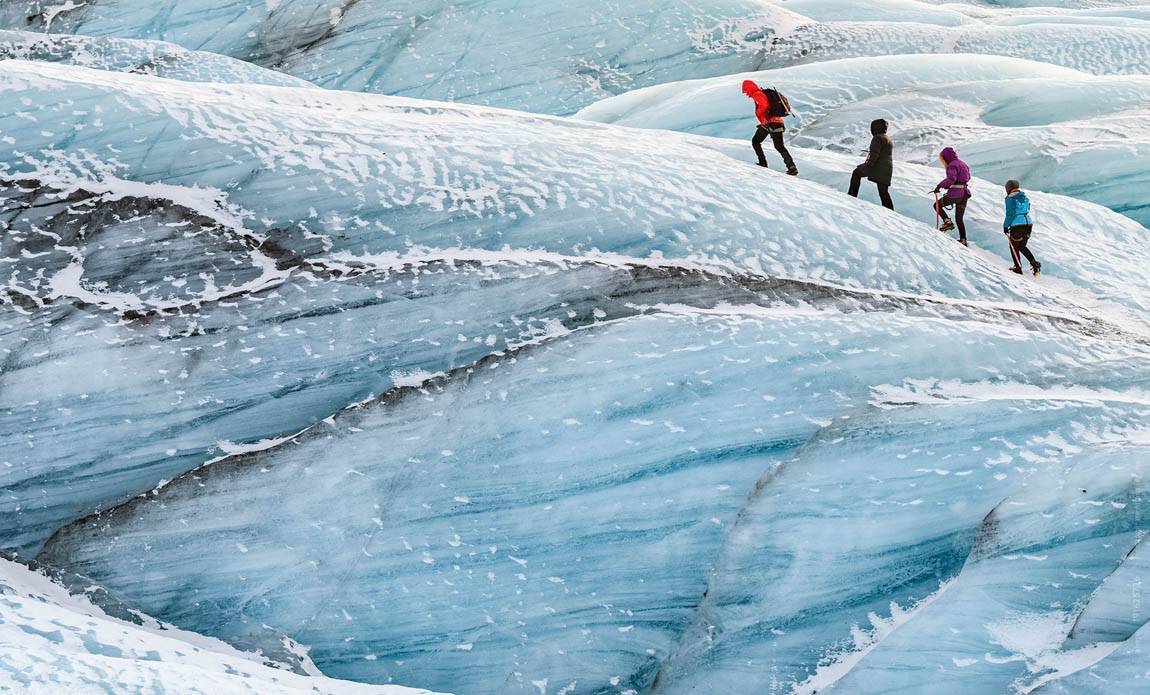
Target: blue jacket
x,y
1017,210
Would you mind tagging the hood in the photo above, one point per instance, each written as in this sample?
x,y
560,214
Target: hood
x,y
878,126
948,155
749,87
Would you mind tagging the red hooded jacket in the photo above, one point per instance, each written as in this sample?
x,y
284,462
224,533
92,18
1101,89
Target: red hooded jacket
x,y
762,104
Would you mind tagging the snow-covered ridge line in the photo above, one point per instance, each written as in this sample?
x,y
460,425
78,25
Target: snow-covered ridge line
x,y
282,95
954,392
160,58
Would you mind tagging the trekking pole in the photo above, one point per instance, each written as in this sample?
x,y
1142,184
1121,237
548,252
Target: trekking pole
x,y
1014,255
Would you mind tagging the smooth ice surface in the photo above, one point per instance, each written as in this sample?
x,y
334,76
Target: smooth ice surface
x,y
55,642
1007,118
1121,605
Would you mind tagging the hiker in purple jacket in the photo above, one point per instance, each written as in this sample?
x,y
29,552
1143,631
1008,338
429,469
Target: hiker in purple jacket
x,y
957,187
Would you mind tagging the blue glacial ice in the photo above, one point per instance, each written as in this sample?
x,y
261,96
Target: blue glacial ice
x,y
487,401
330,542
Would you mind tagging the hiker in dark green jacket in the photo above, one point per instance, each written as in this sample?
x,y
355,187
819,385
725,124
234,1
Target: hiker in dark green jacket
x,y
879,164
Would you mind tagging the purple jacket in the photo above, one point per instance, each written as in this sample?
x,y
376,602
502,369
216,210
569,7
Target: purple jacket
x,y
957,175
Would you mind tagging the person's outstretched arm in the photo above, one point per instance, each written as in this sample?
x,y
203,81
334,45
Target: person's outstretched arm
x,y
951,177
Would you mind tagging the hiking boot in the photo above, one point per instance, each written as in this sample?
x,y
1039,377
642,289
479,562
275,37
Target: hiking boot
x,y
793,171
963,242
764,165
1037,269
947,225
1017,270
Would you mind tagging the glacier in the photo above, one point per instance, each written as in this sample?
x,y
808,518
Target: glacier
x,y
362,347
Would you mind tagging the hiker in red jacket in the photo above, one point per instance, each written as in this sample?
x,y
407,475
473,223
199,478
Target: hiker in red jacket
x,y
770,108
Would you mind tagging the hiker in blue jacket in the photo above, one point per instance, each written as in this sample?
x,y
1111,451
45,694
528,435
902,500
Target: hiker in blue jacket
x,y
1017,226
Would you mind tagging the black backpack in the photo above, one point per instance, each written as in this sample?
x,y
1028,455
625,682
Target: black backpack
x,y
780,105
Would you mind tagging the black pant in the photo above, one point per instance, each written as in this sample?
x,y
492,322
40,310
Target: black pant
x,y
776,133
959,210
883,189
1019,236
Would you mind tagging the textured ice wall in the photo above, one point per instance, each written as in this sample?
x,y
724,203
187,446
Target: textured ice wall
x,y
497,52
503,53
755,492
141,57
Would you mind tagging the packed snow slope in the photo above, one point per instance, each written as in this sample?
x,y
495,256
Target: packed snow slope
x,y
54,642
491,402
1056,129
508,52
